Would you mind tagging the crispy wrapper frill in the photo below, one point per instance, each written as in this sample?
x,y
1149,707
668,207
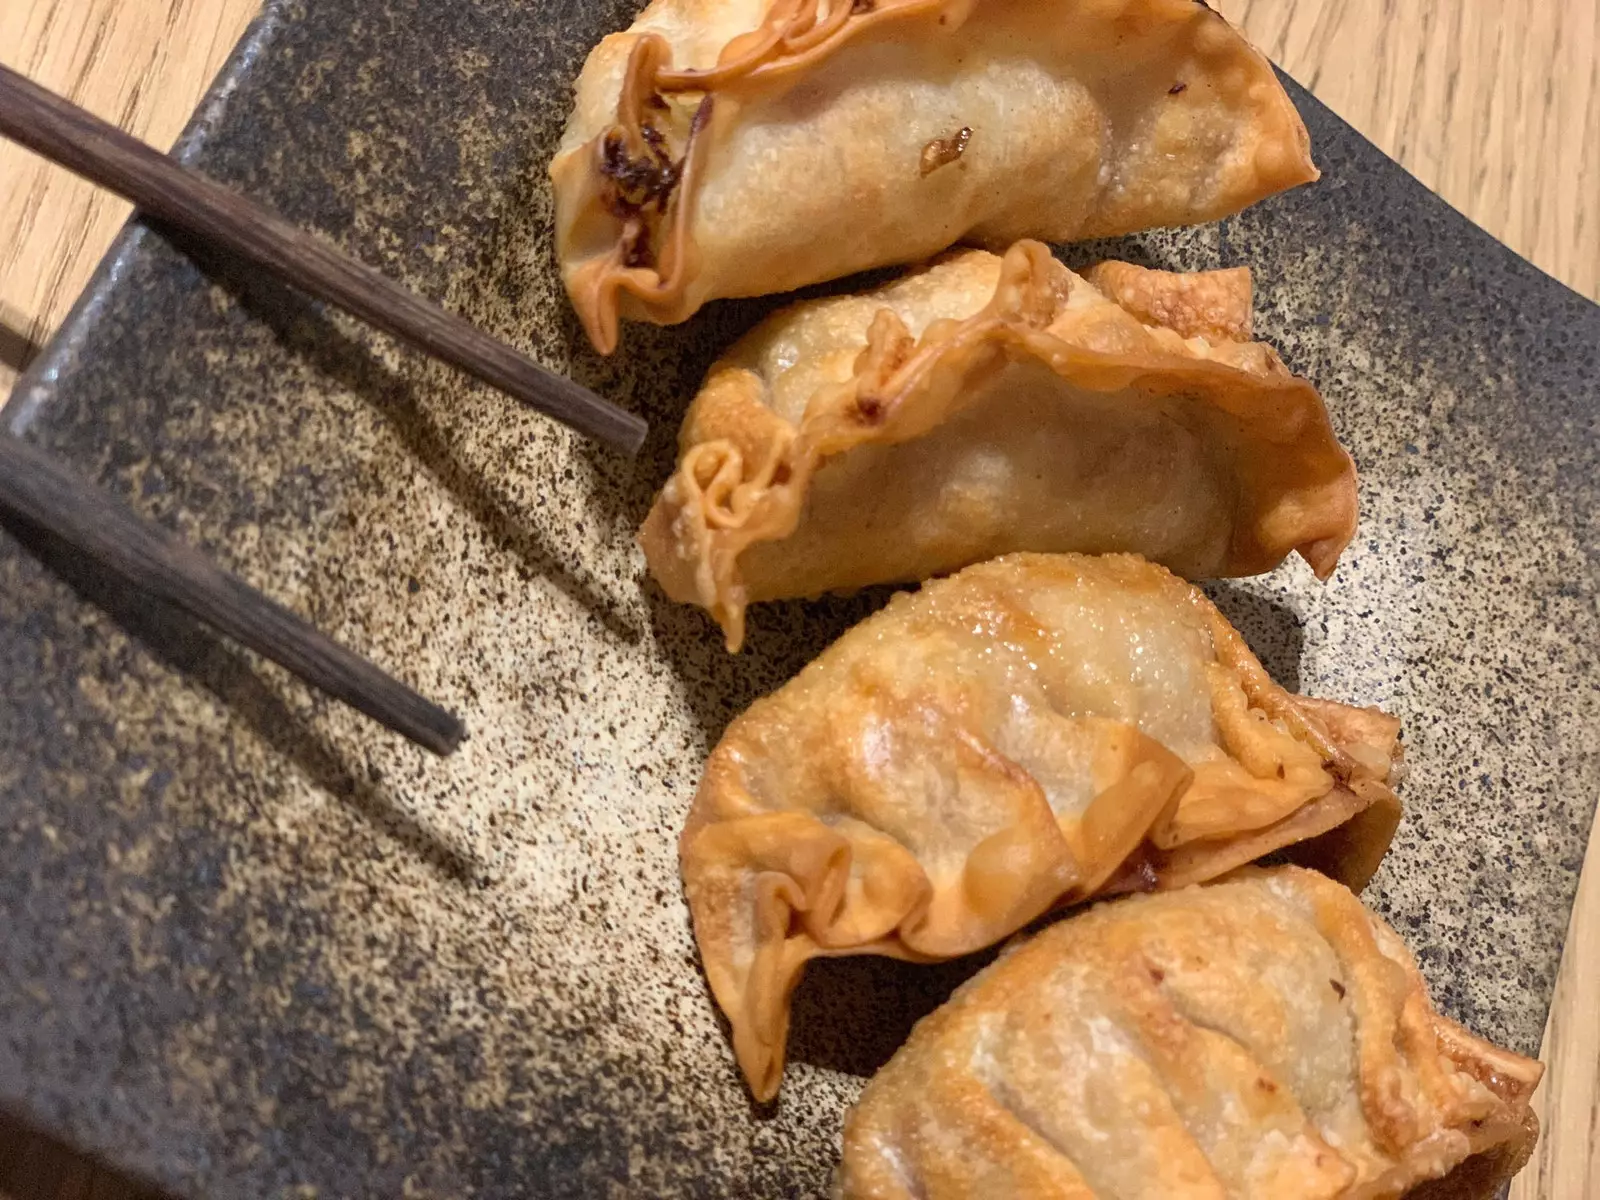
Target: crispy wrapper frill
x,y
718,149
1261,1037
1035,731
988,404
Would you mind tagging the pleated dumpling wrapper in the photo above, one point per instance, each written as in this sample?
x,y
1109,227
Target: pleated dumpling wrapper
x,y
748,147
1262,1038
1034,731
987,404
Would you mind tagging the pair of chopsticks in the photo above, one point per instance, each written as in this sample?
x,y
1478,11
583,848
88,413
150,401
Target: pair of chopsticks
x,y
42,491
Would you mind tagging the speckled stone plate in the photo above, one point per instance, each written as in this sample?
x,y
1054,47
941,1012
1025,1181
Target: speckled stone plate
x,y
251,945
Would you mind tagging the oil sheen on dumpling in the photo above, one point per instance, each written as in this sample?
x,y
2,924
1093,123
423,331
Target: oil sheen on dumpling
x,y
1261,1038
747,147
1034,731
983,405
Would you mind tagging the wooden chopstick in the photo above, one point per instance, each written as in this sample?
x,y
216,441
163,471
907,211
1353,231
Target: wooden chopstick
x,y
35,486
68,135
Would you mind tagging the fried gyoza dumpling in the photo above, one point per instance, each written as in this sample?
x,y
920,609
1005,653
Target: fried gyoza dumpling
x,y
746,147
984,405
1034,731
1262,1038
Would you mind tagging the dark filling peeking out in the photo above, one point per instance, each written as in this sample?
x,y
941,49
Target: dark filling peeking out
x,y
637,182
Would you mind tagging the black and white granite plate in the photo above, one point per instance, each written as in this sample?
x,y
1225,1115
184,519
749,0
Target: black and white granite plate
x,y
252,946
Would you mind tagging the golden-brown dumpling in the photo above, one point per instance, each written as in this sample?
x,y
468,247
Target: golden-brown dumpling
x,y
1262,1038
746,147
1036,730
983,405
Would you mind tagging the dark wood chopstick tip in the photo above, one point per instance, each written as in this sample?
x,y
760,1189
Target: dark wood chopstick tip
x,y
166,190
450,737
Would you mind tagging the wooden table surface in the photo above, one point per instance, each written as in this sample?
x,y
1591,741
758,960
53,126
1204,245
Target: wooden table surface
x,y
1498,113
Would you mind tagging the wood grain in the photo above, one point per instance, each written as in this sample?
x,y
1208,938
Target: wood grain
x,y
142,64
1497,110
1566,1163
1499,114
